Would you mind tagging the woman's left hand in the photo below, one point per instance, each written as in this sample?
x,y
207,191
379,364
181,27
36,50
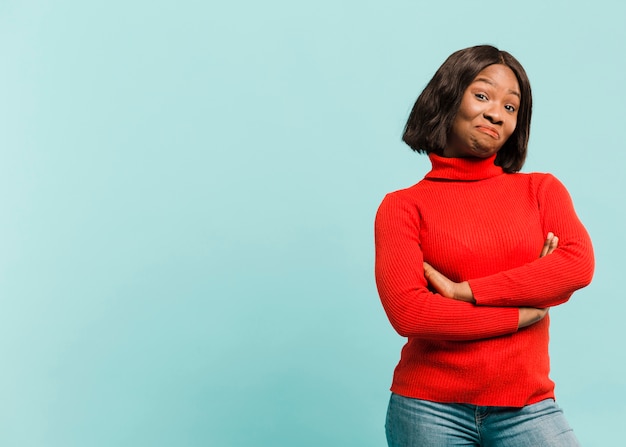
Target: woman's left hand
x,y
446,287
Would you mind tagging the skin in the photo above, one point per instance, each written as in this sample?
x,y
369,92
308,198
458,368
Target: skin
x,y
486,118
487,115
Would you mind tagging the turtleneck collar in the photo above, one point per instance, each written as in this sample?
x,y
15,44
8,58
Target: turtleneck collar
x,y
466,169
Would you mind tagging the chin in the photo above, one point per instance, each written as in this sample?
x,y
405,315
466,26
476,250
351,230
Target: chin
x,y
484,153
483,150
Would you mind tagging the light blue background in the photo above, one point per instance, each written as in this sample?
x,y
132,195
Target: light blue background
x,y
188,192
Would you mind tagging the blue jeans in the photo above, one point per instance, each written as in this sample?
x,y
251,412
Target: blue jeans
x,y
420,423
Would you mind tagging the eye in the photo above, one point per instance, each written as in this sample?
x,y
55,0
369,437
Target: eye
x,y
481,96
510,108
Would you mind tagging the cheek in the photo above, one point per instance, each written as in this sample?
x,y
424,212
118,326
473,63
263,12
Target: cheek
x,y
468,110
511,128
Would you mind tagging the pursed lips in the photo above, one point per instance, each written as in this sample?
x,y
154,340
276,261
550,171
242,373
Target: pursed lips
x,y
489,131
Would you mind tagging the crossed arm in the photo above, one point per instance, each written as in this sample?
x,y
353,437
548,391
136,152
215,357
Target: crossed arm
x,y
462,291
422,302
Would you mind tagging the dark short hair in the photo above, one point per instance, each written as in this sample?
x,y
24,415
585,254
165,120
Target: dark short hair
x,y
436,107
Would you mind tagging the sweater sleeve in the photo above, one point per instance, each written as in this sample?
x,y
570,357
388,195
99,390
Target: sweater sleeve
x,y
412,309
551,280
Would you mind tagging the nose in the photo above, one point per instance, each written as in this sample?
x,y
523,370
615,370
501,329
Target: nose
x,y
493,115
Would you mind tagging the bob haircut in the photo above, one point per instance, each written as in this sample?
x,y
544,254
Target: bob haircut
x,y
436,107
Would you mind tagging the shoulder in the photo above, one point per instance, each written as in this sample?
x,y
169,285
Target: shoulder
x,y
540,177
545,181
408,194
401,204
537,180
547,188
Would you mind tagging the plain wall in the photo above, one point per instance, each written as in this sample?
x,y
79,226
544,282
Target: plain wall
x,y
188,191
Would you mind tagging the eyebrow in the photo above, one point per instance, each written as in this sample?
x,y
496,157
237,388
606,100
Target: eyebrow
x,y
490,82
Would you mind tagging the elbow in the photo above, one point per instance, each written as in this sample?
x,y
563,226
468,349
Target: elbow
x,y
403,329
587,271
400,323
580,281
405,308
581,271
403,321
587,279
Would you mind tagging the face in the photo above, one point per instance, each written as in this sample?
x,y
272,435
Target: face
x,y
487,115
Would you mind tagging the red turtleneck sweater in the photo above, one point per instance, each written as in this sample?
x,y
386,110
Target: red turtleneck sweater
x,y
471,221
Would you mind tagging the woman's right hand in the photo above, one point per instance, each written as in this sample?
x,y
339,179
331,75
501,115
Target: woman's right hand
x,y
531,315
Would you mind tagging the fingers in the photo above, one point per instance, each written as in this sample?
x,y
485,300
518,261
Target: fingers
x,y
553,244
427,267
429,272
550,244
546,245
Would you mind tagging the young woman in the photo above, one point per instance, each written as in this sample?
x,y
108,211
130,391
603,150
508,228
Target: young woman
x,y
468,262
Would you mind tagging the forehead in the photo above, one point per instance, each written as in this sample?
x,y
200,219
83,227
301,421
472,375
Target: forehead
x,y
499,76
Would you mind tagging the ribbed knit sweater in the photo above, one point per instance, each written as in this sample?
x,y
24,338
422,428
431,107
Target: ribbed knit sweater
x,y
473,222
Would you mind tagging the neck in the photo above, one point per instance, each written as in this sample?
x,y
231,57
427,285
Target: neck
x,y
463,169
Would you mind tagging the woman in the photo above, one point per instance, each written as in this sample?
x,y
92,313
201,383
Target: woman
x,y
468,262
